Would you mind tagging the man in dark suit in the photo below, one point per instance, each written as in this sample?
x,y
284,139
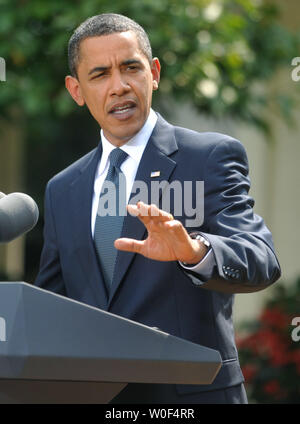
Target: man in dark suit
x,y
179,275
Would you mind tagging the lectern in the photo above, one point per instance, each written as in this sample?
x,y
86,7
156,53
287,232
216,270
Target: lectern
x,y
57,350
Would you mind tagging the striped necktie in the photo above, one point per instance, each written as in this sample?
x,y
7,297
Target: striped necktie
x,y
109,222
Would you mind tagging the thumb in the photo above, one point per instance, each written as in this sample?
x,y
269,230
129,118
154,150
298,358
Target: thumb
x,y
129,245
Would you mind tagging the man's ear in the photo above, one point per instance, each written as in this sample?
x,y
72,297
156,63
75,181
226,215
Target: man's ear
x,y
73,87
155,70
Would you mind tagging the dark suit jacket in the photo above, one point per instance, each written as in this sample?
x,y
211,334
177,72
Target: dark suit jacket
x,y
162,294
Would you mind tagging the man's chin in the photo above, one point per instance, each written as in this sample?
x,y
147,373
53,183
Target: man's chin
x,y
121,137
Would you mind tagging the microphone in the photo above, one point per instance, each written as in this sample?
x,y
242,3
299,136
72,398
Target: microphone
x,y
18,215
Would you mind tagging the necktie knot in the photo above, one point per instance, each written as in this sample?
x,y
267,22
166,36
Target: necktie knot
x,y
117,157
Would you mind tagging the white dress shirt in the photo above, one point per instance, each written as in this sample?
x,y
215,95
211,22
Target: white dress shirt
x,y
134,148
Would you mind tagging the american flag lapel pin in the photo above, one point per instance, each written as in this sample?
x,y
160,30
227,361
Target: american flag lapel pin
x,y
155,174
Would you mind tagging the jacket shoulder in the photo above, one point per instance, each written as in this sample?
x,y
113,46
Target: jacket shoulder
x,y
204,140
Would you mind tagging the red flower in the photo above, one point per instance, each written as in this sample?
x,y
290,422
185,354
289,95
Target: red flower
x,y
268,344
294,357
275,318
280,358
270,359
249,342
272,387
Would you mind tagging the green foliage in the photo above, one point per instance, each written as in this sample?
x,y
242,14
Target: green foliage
x,y
270,354
212,51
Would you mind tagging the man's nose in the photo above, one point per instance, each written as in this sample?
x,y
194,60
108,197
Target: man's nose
x,y
119,84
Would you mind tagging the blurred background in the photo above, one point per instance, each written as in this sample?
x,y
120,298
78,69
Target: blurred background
x,y
227,66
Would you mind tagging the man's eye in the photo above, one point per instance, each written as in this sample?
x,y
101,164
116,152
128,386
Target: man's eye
x,y
132,67
98,76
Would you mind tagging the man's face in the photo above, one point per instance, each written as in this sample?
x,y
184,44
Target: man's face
x,y
115,81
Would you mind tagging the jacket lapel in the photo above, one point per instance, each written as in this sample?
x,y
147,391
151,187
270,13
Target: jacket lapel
x,y
81,195
160,146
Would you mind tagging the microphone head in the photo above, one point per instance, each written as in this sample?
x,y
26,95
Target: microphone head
x,y
18,215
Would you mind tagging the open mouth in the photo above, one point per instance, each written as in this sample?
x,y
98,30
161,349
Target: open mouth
x,y
122,109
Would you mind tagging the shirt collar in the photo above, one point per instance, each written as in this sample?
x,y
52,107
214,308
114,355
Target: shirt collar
x,y
134,147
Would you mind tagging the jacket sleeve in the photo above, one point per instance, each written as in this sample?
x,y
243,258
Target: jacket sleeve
x,y
241,243
50,273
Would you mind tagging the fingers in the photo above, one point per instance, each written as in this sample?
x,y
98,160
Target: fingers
x,y
157,220
178,230
149,212
129,245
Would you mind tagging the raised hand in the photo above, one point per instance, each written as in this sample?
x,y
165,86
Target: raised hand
x,y
167,239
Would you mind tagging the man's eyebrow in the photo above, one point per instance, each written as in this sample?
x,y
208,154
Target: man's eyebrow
x,y
98,69
105,68
131,62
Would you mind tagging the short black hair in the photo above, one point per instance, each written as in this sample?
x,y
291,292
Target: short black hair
x,y
105,24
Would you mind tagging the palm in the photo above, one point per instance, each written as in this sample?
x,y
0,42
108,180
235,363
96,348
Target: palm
x,y
160,243
167,239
